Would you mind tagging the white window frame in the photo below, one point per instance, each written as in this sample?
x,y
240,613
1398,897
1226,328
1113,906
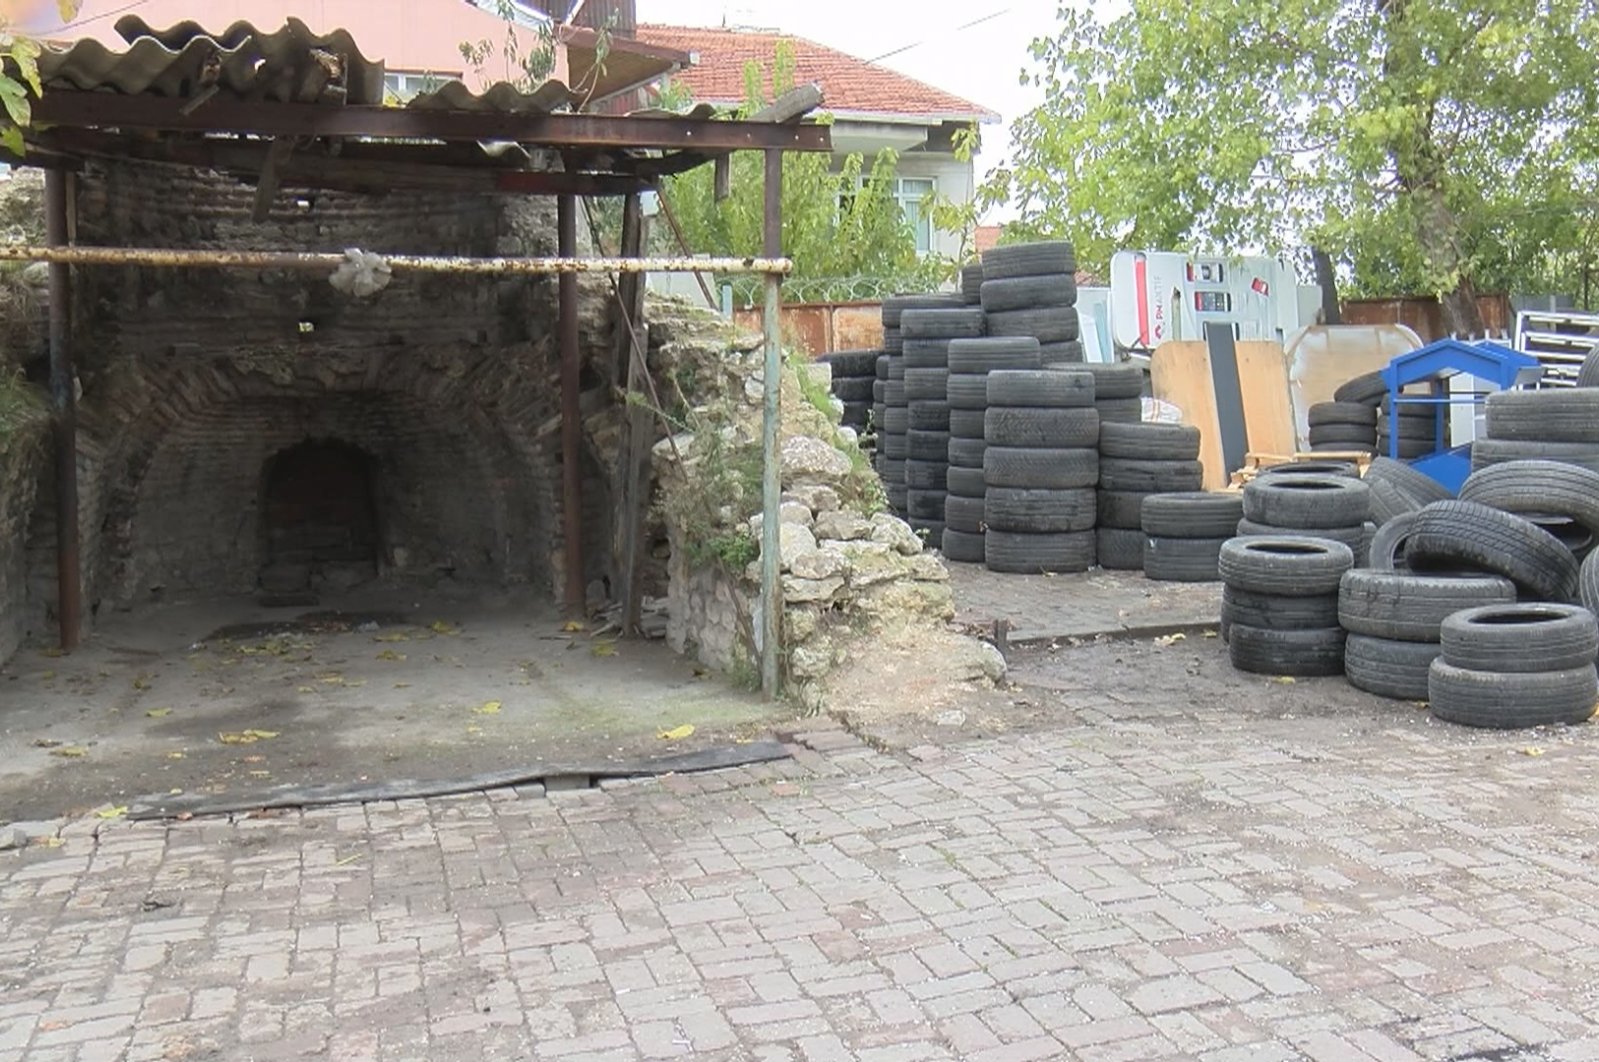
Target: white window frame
x,y
910,206
406,85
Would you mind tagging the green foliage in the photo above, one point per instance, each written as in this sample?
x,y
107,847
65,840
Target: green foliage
x,y
836,225
1433,145
526,68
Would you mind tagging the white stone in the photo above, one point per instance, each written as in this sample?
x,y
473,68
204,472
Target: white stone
x,y
952,717
841,527
819,564
871,563
820,498
794,540
808,460
928,567
798,590
891,531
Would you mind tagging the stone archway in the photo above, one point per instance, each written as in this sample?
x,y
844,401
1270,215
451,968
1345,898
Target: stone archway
x,y
319,517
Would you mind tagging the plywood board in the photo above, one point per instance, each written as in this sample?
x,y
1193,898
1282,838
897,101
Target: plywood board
x,y
1181,373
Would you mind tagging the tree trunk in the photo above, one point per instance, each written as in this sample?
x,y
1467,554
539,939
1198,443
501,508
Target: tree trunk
x,y
1327,280
1462,314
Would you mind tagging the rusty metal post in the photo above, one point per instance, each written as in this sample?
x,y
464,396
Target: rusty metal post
x,y
63,394
573,595
771,454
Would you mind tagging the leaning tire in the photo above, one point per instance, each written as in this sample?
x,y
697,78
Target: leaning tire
x,y
1022,554
1537,488
1411,608
1046,388
1307,501
1191,514
1041,469
1038,511
1510,701
1488,452
1367,389
1034,427
1515,638
1291,567
1149,442
1299,653
1122,474
1465,534
1393,669
1588,373
1120,549
1387,551
1565,415
1182,560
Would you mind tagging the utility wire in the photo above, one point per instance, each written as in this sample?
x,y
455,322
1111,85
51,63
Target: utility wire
x,y
991,16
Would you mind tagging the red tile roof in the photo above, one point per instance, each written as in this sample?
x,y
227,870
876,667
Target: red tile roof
x,y
849,85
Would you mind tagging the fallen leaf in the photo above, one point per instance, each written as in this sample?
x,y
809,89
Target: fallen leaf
x,y
1171,639
603,649
113,812
70,752
252,759
52,652
441,627
1284,680
1532,750
260,774
174,755
474,729
347,860
1211,634
246,737
396,636
141,682
402,685
46,743
390,654
573,626
174,792
677,733
263,734
488,708
331,678
158,713
49,842
305,689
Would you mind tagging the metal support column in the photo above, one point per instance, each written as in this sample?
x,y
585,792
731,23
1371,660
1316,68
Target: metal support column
x,y
772,480
63,394
573,595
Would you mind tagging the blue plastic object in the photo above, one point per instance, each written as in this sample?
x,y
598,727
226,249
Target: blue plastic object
x,y
1489,362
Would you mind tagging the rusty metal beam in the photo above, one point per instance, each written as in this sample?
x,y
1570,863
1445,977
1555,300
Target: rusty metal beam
x,y
636,455
63,394
573,595
312,261
771,455
103,110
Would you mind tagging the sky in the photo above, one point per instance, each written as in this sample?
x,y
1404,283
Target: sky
x,y
981,62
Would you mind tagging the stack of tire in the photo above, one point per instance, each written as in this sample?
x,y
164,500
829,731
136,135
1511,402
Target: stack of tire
x,y
972,284
879,409
1030,290
970,362
1508,666
1350,426
1552,425
926,335
1040,466
1137,461
1393,619
1417,428
1118,392
854,384
892,444
1184,534
1279,611
1309,505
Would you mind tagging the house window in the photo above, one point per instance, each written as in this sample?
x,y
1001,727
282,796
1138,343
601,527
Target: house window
x,y
405,85
912,193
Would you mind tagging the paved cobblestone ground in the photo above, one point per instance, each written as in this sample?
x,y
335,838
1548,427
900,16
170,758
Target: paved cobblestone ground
x,y
1076,605
1217,881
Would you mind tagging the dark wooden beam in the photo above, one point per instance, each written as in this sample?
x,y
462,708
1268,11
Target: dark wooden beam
x,y
107,110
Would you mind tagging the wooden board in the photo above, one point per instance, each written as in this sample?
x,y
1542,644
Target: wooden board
x,y
1181,373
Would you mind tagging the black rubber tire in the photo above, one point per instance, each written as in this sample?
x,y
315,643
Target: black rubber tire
x,y
1117,380
1406,607
966,423
1058,429
957,322
1290,567
1030,292
896,367
1388,502
1040,469
1409,449
1029,260
1345,414
1182,560
894,394
1304,653
1418,485
927,416
1069,352
1409,428
1123,508
1052,324
1588,372
1387,552
896,419
877,389
1367,389
1510,637
892,469
893,342
926,354
971,281
963,514
1038,511
963,546
925,504
925,475
1553,415
1409,409
852,362
983,356
1457,534
1120,410
1312,468
1123,474
1340,449
1501,701
1191,514
1488,452
965,482
1588,583
967,391
1393,669
856,415
1120,550
882,366
1349,436
1537,488
896,498
1149,442
1278,612
1306,501
1037,554
965,453
930,446
895,305
1047,388
1353,536
926,385
893,445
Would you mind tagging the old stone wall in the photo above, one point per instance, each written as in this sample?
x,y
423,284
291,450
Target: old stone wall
x,y
23,434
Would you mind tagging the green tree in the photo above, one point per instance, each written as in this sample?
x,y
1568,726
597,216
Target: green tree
x,y
838,227
1434,146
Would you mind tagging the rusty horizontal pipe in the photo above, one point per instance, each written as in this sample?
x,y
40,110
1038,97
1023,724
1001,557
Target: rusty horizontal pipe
x,y
416,263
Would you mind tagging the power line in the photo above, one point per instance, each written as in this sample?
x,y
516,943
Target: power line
x,y
917,44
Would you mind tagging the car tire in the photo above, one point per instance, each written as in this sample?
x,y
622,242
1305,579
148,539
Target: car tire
x,y
1191,514
1302,653
1182,560
1393,669
1456,534
1307,501
1501,701
1511,637
1043,469
1149,442
1291,567
1405,607
1039,554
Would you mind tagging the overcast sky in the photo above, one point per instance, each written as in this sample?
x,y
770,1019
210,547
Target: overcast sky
x,y
980,62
